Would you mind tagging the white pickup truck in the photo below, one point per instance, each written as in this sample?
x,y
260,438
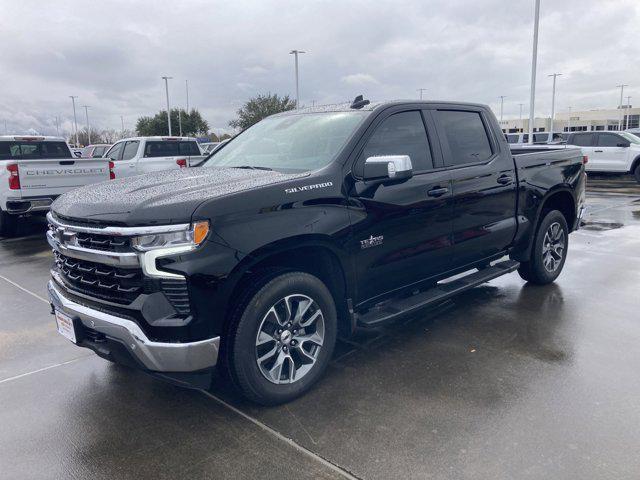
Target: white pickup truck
x,y
34,170
134,156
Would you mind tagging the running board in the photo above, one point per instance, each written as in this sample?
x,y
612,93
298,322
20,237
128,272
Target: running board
x,y
442,291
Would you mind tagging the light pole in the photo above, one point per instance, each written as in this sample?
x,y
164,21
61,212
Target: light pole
x,y
186,82
86,112
122,122
520,117
621,87
534,62
553,99
75,120
627,106
502,97
57,127
421,90
166,88
295,53
179,121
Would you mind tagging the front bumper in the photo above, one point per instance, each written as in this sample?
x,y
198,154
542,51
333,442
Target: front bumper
x,y
156,357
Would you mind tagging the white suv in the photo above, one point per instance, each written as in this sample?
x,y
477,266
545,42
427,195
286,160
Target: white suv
x,y
134,156
609,151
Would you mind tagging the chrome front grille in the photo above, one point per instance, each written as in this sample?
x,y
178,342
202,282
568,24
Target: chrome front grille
x,y
107,243
114,284
100,263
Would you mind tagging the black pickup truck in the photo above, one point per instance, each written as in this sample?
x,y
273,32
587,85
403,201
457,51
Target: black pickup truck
x,y
307,226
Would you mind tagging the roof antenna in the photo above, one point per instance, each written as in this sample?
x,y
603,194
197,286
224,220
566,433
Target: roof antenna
x,y
359,102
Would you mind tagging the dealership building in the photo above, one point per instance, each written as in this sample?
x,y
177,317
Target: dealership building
x,y
578,121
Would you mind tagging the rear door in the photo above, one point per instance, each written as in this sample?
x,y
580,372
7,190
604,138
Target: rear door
x,y
402,231
483,183
610,153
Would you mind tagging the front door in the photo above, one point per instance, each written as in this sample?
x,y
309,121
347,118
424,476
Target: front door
x,y
483,184
610,153
401,232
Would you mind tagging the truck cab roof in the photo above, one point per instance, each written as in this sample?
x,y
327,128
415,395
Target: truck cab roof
x,y
31,138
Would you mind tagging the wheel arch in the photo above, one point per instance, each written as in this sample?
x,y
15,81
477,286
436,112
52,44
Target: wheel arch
x,y
313,254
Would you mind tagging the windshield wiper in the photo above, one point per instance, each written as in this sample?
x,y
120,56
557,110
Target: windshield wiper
x,y
252,167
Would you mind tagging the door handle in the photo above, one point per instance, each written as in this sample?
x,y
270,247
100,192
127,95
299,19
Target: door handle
x,y
437,191
598,151
505,179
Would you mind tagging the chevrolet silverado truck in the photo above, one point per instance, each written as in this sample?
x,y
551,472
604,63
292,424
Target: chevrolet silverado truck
x,y
307,226
34,170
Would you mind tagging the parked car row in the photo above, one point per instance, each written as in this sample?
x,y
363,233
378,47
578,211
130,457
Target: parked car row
x,y
35,170
607,151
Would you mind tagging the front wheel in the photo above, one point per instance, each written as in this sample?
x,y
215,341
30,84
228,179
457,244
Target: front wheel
x,y
549,250
282,337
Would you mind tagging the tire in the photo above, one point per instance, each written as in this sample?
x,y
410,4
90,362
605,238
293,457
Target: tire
x,y
545,265
636,172
270,360
8,224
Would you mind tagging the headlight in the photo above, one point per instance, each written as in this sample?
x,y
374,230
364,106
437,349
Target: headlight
x,y
185,238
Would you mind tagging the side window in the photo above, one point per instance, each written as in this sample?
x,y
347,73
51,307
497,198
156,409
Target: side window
x,y
98,152
400,134
512,138
465,135
130,150
116,151
609,140
581,139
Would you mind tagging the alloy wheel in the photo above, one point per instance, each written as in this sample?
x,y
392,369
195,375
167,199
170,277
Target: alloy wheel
x,y
553,247
289,339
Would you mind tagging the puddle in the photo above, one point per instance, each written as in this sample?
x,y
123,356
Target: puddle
x,y
600,226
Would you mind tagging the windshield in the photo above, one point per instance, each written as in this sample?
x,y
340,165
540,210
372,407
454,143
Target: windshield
x,y
293,143
631,137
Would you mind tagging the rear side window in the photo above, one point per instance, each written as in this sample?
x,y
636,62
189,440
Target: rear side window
x,y
466,136
582,139
512,138
33,150
609,140
400,134
98,152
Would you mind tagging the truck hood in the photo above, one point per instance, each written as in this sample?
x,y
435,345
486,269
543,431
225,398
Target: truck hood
x,y
161,197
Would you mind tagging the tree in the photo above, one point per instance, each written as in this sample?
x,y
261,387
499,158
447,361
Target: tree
x,y
261,107
192,124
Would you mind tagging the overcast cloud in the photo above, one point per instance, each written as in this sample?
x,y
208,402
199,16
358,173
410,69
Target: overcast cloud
x,y
113,53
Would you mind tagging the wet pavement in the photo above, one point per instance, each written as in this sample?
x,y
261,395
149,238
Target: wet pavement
x,y
507,380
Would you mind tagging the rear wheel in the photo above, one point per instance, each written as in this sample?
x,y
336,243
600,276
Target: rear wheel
x,y
549,250
8,224
636,172
282,337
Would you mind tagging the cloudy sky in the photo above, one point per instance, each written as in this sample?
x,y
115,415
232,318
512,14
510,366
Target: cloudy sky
x,y
111,54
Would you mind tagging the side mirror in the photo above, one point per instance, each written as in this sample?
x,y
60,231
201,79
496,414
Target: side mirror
x,y
387,168
623,144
